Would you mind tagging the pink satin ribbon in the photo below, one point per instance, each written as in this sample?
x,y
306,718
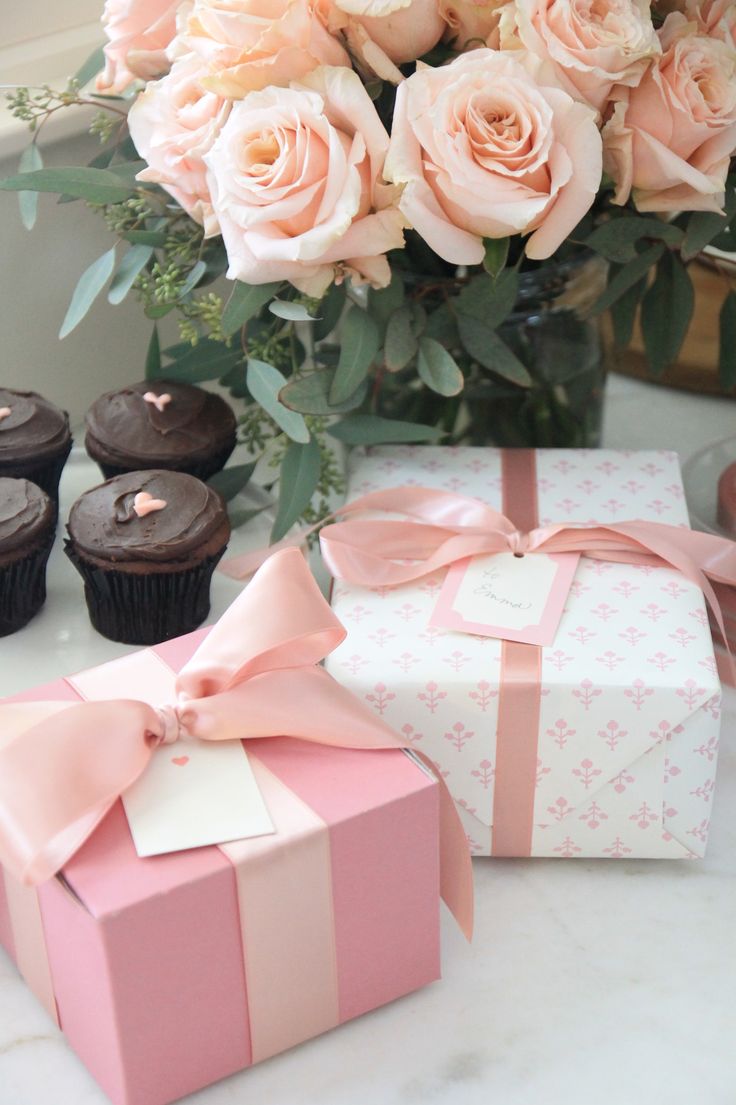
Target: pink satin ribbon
x,y
441,527
255,675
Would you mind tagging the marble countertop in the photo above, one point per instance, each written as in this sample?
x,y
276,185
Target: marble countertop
x,y
587,981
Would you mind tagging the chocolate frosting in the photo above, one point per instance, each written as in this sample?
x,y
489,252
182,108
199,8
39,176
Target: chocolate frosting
x,y
34,427
104,523
194,421
25,512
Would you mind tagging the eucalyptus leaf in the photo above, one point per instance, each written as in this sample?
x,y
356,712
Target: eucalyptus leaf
x,y
196,273
207,360
400,344
617,239
623,313
489,300
232,480
371,429
265,383
330,310
489,350
666,311
153,356
134,261
245,301
155,238
359,345
625,278
298,482
292,312
91,67
311,394
727,357
95,185
704,226
30,160
438,369
382,302
158,310
89,286
496,255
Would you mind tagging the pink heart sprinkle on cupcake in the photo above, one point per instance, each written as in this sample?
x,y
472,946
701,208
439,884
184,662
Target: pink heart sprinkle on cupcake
x,y
5,412
144,504
158,401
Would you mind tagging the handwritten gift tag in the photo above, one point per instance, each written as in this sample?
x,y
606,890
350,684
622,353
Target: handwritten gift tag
x,y
516,598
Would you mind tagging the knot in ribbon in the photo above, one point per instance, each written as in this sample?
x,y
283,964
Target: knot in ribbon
x,y
257,674
441,527
173,723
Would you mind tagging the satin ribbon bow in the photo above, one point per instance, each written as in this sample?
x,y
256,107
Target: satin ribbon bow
x,y
442,527
255,675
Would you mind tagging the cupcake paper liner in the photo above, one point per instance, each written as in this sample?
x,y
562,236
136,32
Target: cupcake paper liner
x,y
45,475
144,609
23,588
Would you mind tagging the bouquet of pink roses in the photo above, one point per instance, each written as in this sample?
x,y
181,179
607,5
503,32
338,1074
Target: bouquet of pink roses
x,y
399,165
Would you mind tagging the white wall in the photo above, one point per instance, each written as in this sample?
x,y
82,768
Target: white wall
x,y
38,273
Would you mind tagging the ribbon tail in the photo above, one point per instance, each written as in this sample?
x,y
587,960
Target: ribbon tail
x,y
456,868
59,777
308,704
244,566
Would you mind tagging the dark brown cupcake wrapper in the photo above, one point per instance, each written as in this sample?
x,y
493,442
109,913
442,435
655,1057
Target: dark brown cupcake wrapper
x,y
138,608
45,474
202,469
23,588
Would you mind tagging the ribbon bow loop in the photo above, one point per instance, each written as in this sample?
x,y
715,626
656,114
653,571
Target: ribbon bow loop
x,y
255,675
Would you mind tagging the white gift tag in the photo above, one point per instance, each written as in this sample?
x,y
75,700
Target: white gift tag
x,y
195,793
516,598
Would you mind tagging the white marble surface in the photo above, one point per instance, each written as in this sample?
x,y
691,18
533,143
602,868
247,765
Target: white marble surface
x,y
588,981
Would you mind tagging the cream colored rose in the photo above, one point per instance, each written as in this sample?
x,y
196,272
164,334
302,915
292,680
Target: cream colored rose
x,y
173,124
296,182
383,34
472,23
484,151
250,44
138,32
669,141
714,17
588,47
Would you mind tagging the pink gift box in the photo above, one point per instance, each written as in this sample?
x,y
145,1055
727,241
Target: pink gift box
x,y
163,984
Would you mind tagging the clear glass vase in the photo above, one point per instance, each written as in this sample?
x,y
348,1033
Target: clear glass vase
x,y
550,330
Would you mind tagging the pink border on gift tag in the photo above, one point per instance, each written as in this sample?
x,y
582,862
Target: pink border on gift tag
x,y
445,616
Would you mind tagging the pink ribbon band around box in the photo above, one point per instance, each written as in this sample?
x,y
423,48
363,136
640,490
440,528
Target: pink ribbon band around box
x,y
439,528
255,675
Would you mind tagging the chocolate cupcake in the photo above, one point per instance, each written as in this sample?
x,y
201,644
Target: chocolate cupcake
x,y
27,525
160,425
146,544
35,439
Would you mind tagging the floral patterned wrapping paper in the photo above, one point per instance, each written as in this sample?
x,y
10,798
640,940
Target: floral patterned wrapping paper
x,y
630,697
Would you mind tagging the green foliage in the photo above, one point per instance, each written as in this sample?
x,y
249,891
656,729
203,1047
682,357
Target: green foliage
x,y
232,480
265,383
90,284
358,348
666,311
298,481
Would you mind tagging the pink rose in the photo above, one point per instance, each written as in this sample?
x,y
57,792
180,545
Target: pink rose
x,y
382,34
250,44
588,47
470,23
296,182
484,151
139,32
714,17
173,124
669,141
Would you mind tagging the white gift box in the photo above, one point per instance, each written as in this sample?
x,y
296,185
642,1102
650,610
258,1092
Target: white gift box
x,y
630,696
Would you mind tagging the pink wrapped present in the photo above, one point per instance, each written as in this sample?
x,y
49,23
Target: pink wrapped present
x,y
598,742
169,972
